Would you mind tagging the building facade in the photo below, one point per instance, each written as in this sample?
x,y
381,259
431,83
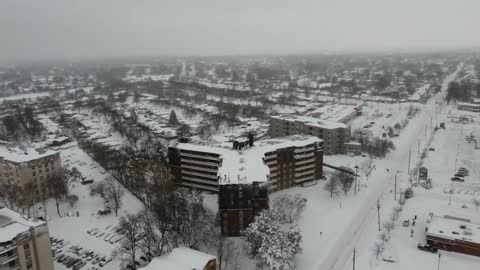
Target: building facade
x,y
333,134
239,204
29,170
471,107
24,244
281,163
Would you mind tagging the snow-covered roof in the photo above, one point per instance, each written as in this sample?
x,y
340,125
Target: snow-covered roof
x,y
335,112
454,228
468,104
12,224
311,121
247,166
19,154
181,258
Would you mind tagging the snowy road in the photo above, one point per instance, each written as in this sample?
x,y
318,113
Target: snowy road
x,y
382,181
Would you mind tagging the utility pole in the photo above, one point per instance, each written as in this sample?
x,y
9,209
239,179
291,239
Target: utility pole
x,y
439,255
353,258
409,157
357,185
450,197
378,214
418,147
395,189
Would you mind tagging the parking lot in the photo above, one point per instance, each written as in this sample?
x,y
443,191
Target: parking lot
x,y
71,255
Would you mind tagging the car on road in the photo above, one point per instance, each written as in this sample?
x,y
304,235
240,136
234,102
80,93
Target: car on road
x,y
458,179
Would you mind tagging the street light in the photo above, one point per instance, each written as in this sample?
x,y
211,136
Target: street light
x,y
356,173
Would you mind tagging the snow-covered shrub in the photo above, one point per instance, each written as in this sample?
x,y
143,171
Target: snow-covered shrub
x,y
273,240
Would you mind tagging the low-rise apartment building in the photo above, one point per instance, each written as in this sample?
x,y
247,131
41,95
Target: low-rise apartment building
x,y
24,243
334,134
29,170
280,162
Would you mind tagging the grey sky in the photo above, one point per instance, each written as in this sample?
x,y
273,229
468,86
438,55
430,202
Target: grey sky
x,y
42,29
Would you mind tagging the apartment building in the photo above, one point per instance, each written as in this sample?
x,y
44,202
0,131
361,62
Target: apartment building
x,y
280,162
334,134
24,243
28,169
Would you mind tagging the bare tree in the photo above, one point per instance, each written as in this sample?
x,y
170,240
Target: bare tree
x,y
344,179
332,186
110,191
70,175
149,244
71,199
56,186
130,225
378,248
384,237
389,226
293,206
476,202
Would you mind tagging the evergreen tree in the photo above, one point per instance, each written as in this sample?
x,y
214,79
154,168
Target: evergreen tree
x,y
173,120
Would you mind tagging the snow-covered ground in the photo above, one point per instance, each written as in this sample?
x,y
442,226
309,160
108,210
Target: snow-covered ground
x,y
441,165
333,227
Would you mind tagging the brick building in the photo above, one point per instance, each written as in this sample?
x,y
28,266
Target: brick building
x,y
454,234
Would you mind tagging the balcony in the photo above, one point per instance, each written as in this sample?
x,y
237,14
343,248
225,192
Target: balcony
x,y
200,162
271,162
183,154
304,149
310,160
300,174
304,156
200,181
211,176
200,168
307,178
309,166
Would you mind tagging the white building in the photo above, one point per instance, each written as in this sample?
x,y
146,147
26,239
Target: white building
x,y
24,243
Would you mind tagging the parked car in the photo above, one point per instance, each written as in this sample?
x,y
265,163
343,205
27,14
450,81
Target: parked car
x,y
427,248
406,223
458,179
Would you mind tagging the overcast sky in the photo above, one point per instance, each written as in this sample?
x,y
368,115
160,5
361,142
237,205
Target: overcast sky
x,y
56,29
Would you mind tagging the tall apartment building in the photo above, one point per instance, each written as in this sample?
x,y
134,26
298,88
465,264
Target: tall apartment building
x,y
28,169
335,135
24,243
280,162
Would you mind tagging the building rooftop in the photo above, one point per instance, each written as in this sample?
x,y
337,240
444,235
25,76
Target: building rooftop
x,y
181,258
454,228
247,166
468,104
19,154
335,112
12,223
311,121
